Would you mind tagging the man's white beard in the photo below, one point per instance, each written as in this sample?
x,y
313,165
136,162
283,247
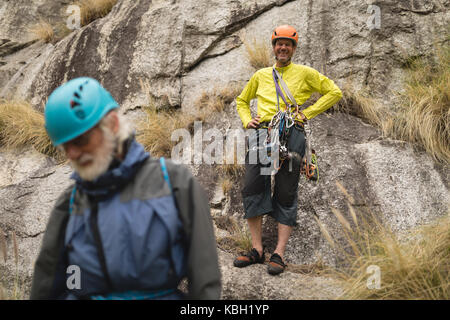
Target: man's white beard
x,y
101,159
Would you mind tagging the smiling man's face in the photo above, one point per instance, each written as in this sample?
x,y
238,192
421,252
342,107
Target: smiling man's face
x,y
284,50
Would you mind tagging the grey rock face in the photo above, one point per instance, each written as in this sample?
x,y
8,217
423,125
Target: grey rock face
x,y
143,40
16,20
410,191
29,187
183,48
17,17
8,47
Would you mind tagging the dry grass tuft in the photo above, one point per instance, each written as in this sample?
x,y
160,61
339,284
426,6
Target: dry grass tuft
x,y
239,240
344,191
227,185
259,52
360,105
415,268
21,125
318,268
90,10
94,9
242,238
43,31
218,99
233,170
155,132
424,114
61,31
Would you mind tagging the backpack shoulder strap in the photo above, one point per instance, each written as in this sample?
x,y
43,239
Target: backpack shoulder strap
x,y
162,161
72,199
99,245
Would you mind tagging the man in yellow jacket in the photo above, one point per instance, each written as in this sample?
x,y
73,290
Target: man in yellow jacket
x,y
302,81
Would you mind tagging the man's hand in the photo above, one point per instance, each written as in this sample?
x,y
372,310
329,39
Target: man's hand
x,y
254,124
302,116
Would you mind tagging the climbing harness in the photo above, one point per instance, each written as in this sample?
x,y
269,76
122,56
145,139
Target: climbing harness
x,y
279,126
278,131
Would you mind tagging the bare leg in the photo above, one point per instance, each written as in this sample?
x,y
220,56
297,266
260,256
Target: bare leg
x,y
255,226
284,232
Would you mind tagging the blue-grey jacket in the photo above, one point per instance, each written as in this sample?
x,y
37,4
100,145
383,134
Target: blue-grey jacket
x,y
153,235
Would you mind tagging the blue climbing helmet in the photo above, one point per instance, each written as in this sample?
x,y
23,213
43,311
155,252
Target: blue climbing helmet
x,y
75,107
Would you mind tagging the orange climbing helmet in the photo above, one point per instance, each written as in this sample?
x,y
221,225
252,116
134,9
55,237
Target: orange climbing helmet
x,y
285,32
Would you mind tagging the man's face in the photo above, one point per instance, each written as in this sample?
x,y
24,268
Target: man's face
x,y
91,153
284,50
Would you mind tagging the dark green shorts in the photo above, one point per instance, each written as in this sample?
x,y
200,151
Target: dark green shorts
x,y
256,193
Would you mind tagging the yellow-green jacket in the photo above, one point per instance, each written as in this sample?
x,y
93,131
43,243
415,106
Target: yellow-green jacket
x,y
302,82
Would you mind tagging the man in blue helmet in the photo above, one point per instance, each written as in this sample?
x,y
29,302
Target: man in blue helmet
x,y
132,226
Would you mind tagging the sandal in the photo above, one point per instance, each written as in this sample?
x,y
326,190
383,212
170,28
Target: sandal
x,y
276,265
249,258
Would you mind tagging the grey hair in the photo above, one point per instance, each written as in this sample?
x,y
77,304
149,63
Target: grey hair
x,y
125,129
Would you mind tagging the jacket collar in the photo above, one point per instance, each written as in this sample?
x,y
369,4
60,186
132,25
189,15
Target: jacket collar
x,y
118,174
283,69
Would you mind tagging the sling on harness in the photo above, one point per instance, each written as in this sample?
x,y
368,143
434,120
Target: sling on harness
x,y
278,130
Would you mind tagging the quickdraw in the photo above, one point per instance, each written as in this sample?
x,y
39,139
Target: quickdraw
x,y
278,134
311,170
